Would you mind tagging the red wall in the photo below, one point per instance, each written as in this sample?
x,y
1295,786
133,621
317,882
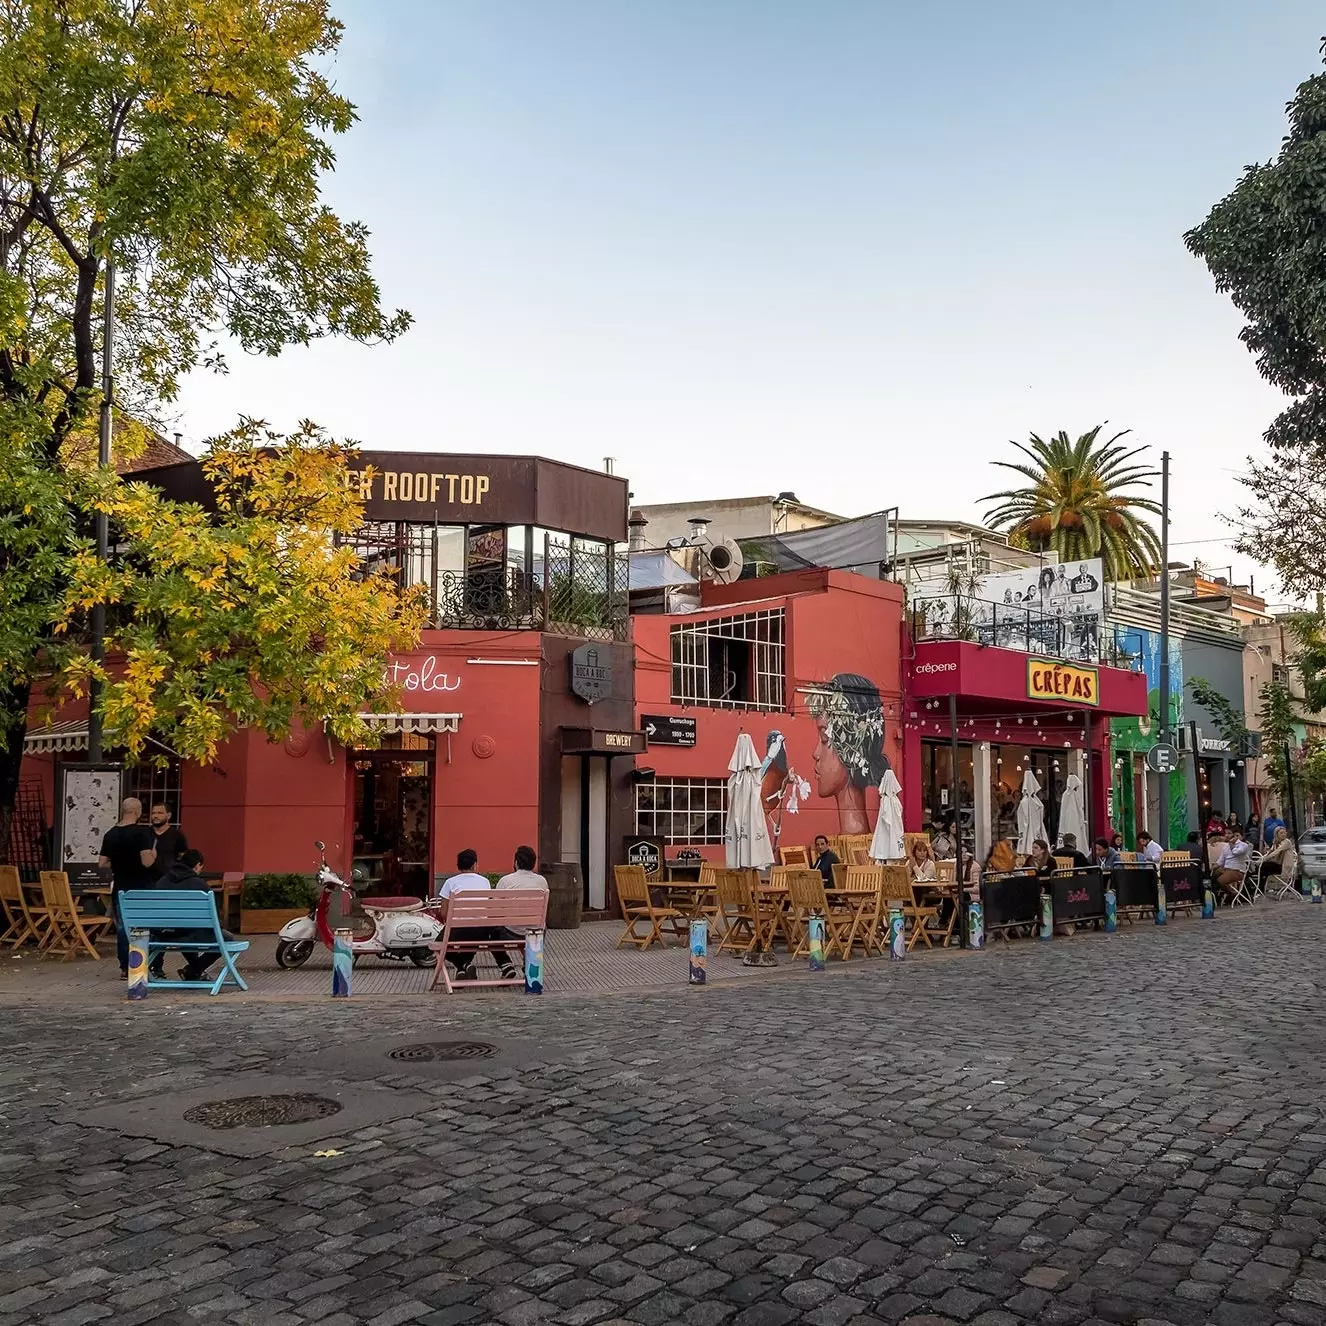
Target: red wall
x,y
836,623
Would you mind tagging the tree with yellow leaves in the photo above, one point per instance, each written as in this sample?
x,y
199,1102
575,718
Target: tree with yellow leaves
x,y
185,140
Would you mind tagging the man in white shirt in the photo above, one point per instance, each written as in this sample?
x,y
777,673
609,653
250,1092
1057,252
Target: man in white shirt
x,y
524,876
468,879
1232,863
1147,848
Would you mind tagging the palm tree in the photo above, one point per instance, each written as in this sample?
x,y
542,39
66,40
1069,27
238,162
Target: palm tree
x,y
1076,504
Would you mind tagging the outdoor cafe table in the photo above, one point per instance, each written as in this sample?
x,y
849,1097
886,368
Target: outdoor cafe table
x,y
687,897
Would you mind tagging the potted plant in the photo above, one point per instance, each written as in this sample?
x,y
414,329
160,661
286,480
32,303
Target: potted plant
x,y
269,901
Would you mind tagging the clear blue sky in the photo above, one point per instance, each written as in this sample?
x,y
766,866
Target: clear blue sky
x,y
842,247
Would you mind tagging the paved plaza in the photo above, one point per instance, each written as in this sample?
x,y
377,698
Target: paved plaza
x,y
1121,1128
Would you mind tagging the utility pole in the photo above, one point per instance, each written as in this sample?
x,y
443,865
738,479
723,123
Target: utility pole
x,y
963,940
1164,645
95,753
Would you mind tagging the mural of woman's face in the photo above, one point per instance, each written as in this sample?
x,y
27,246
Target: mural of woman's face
x,y
830,775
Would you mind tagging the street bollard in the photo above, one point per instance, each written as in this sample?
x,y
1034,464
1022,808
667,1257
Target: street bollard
x,y
1161,918
138,957
897,935
815,941
1208,901
1111,911
342,964
975,924
1047,916
699,944
534,961
1316,890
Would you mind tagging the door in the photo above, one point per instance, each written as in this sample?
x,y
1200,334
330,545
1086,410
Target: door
x,y
585,823
393,817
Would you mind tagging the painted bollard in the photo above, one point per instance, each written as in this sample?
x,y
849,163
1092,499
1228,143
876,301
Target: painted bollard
x,y
1208,901
1047,916
975,924
897,935
137,987
699,946
1111,911
815,941
1161,918
1316,890
534,962
342,964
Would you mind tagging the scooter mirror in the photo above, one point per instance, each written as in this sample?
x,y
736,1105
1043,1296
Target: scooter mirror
x,y
320,845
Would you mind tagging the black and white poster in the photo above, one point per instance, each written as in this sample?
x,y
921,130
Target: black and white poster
x,y
88,803
1054,610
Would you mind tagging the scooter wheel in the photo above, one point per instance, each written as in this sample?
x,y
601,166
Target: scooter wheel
x,y
421,957
293,953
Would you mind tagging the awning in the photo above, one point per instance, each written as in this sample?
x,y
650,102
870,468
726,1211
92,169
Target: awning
x,y
420,723
69,735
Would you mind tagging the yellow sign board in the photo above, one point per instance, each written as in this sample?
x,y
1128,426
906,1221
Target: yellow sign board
x,y
1048,679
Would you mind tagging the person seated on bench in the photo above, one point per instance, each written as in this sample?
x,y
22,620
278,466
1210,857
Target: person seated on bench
x,y
465,880
524,876
183,874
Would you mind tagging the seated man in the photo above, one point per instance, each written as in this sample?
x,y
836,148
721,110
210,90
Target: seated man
x,y
1232,863
183,874
524,876
467,879
1147,848
825,860
1103,855
1069,848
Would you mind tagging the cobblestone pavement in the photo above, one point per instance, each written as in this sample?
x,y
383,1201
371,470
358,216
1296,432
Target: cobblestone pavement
x,y
1119,1128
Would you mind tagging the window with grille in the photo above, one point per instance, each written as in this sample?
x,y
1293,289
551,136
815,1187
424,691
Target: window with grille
x,y
730,662
682,810
151,782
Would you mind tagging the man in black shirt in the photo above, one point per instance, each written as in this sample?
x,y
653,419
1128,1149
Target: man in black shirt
x,y
1070,848
170,842
825,860
128,851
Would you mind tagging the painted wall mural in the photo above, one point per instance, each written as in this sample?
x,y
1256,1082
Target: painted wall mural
x,y
849,756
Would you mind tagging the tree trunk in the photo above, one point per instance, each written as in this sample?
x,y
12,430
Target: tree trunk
x,y
14,700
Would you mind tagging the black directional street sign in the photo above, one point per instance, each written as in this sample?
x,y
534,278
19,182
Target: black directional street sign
x,y
668,730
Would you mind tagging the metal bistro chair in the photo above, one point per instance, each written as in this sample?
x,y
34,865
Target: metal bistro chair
x,y
1285,884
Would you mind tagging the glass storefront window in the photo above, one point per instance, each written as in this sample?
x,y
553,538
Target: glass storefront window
x,y
937,780
1008,766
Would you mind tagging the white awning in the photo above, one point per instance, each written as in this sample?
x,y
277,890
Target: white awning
x,y
69,735
412,722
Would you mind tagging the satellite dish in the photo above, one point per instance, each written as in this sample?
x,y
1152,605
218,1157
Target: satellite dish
x,y
726,560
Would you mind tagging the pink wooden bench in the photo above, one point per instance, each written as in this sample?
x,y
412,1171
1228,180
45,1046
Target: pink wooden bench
x,y
476,910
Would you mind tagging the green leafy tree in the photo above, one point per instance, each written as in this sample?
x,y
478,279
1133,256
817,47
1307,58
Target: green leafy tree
x,y
1081,502
185,140
1265,245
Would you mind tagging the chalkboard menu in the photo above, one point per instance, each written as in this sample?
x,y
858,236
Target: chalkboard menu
x,y
1079,895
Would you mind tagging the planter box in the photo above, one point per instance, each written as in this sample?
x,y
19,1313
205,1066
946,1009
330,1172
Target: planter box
x,y
267,920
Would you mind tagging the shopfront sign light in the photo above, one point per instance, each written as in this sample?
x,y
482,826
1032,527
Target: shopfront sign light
x,y
1049,679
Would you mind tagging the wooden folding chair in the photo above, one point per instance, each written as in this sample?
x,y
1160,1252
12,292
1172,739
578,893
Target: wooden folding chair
x,y
793,856
865,883
19,925
946,872
736,907
637,906
806,895
897,889
1130,858
69,930
853,843
232,891
1063,863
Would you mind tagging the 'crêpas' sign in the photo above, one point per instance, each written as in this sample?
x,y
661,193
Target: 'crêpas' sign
x,y
591,673
1048,679
422,675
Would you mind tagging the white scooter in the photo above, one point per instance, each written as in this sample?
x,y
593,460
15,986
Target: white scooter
x,y
402,927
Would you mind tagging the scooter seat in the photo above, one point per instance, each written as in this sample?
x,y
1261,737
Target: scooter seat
x,y
391,904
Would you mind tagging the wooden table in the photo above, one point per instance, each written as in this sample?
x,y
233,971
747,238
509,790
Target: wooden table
x,y
689,898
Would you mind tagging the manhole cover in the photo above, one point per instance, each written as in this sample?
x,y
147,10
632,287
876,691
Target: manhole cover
x,y
262,1111
440,1051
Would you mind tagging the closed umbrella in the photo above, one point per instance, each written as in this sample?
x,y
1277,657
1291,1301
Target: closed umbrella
x,y
1072,819
747,831
887,844
1031,814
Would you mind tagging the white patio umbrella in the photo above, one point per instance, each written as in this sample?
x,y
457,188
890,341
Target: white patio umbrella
x,y
887,844
1031,814
747,831
1072,818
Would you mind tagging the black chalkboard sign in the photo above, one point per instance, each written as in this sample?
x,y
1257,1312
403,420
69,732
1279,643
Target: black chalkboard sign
x,y
1010,900
1079,895
1183,885
1135,886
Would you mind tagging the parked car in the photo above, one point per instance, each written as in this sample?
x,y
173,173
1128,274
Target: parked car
x,y
1312,853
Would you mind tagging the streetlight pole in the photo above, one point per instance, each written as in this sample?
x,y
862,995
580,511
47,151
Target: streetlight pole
x,y
1164,644
95,753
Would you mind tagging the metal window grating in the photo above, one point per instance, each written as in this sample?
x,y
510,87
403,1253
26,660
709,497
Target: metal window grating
x,y
731,662
682,810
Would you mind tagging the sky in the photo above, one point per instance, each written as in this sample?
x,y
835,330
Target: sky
x,y
848,248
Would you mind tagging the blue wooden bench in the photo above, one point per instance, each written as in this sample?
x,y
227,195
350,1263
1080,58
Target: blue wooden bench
x,y
182,909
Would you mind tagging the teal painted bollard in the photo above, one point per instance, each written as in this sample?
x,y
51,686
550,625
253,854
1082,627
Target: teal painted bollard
x,y
897,935
699,950
137,986
1111,911
1208,901
1316,890
815,941
342,964
534,962
975,924
1161,918
1047,917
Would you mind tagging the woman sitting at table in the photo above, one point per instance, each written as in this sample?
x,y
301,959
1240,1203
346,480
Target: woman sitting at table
x,y
1040,859
922,862
1280,857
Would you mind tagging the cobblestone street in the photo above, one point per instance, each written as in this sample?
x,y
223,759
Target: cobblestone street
x,y
1119,1128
